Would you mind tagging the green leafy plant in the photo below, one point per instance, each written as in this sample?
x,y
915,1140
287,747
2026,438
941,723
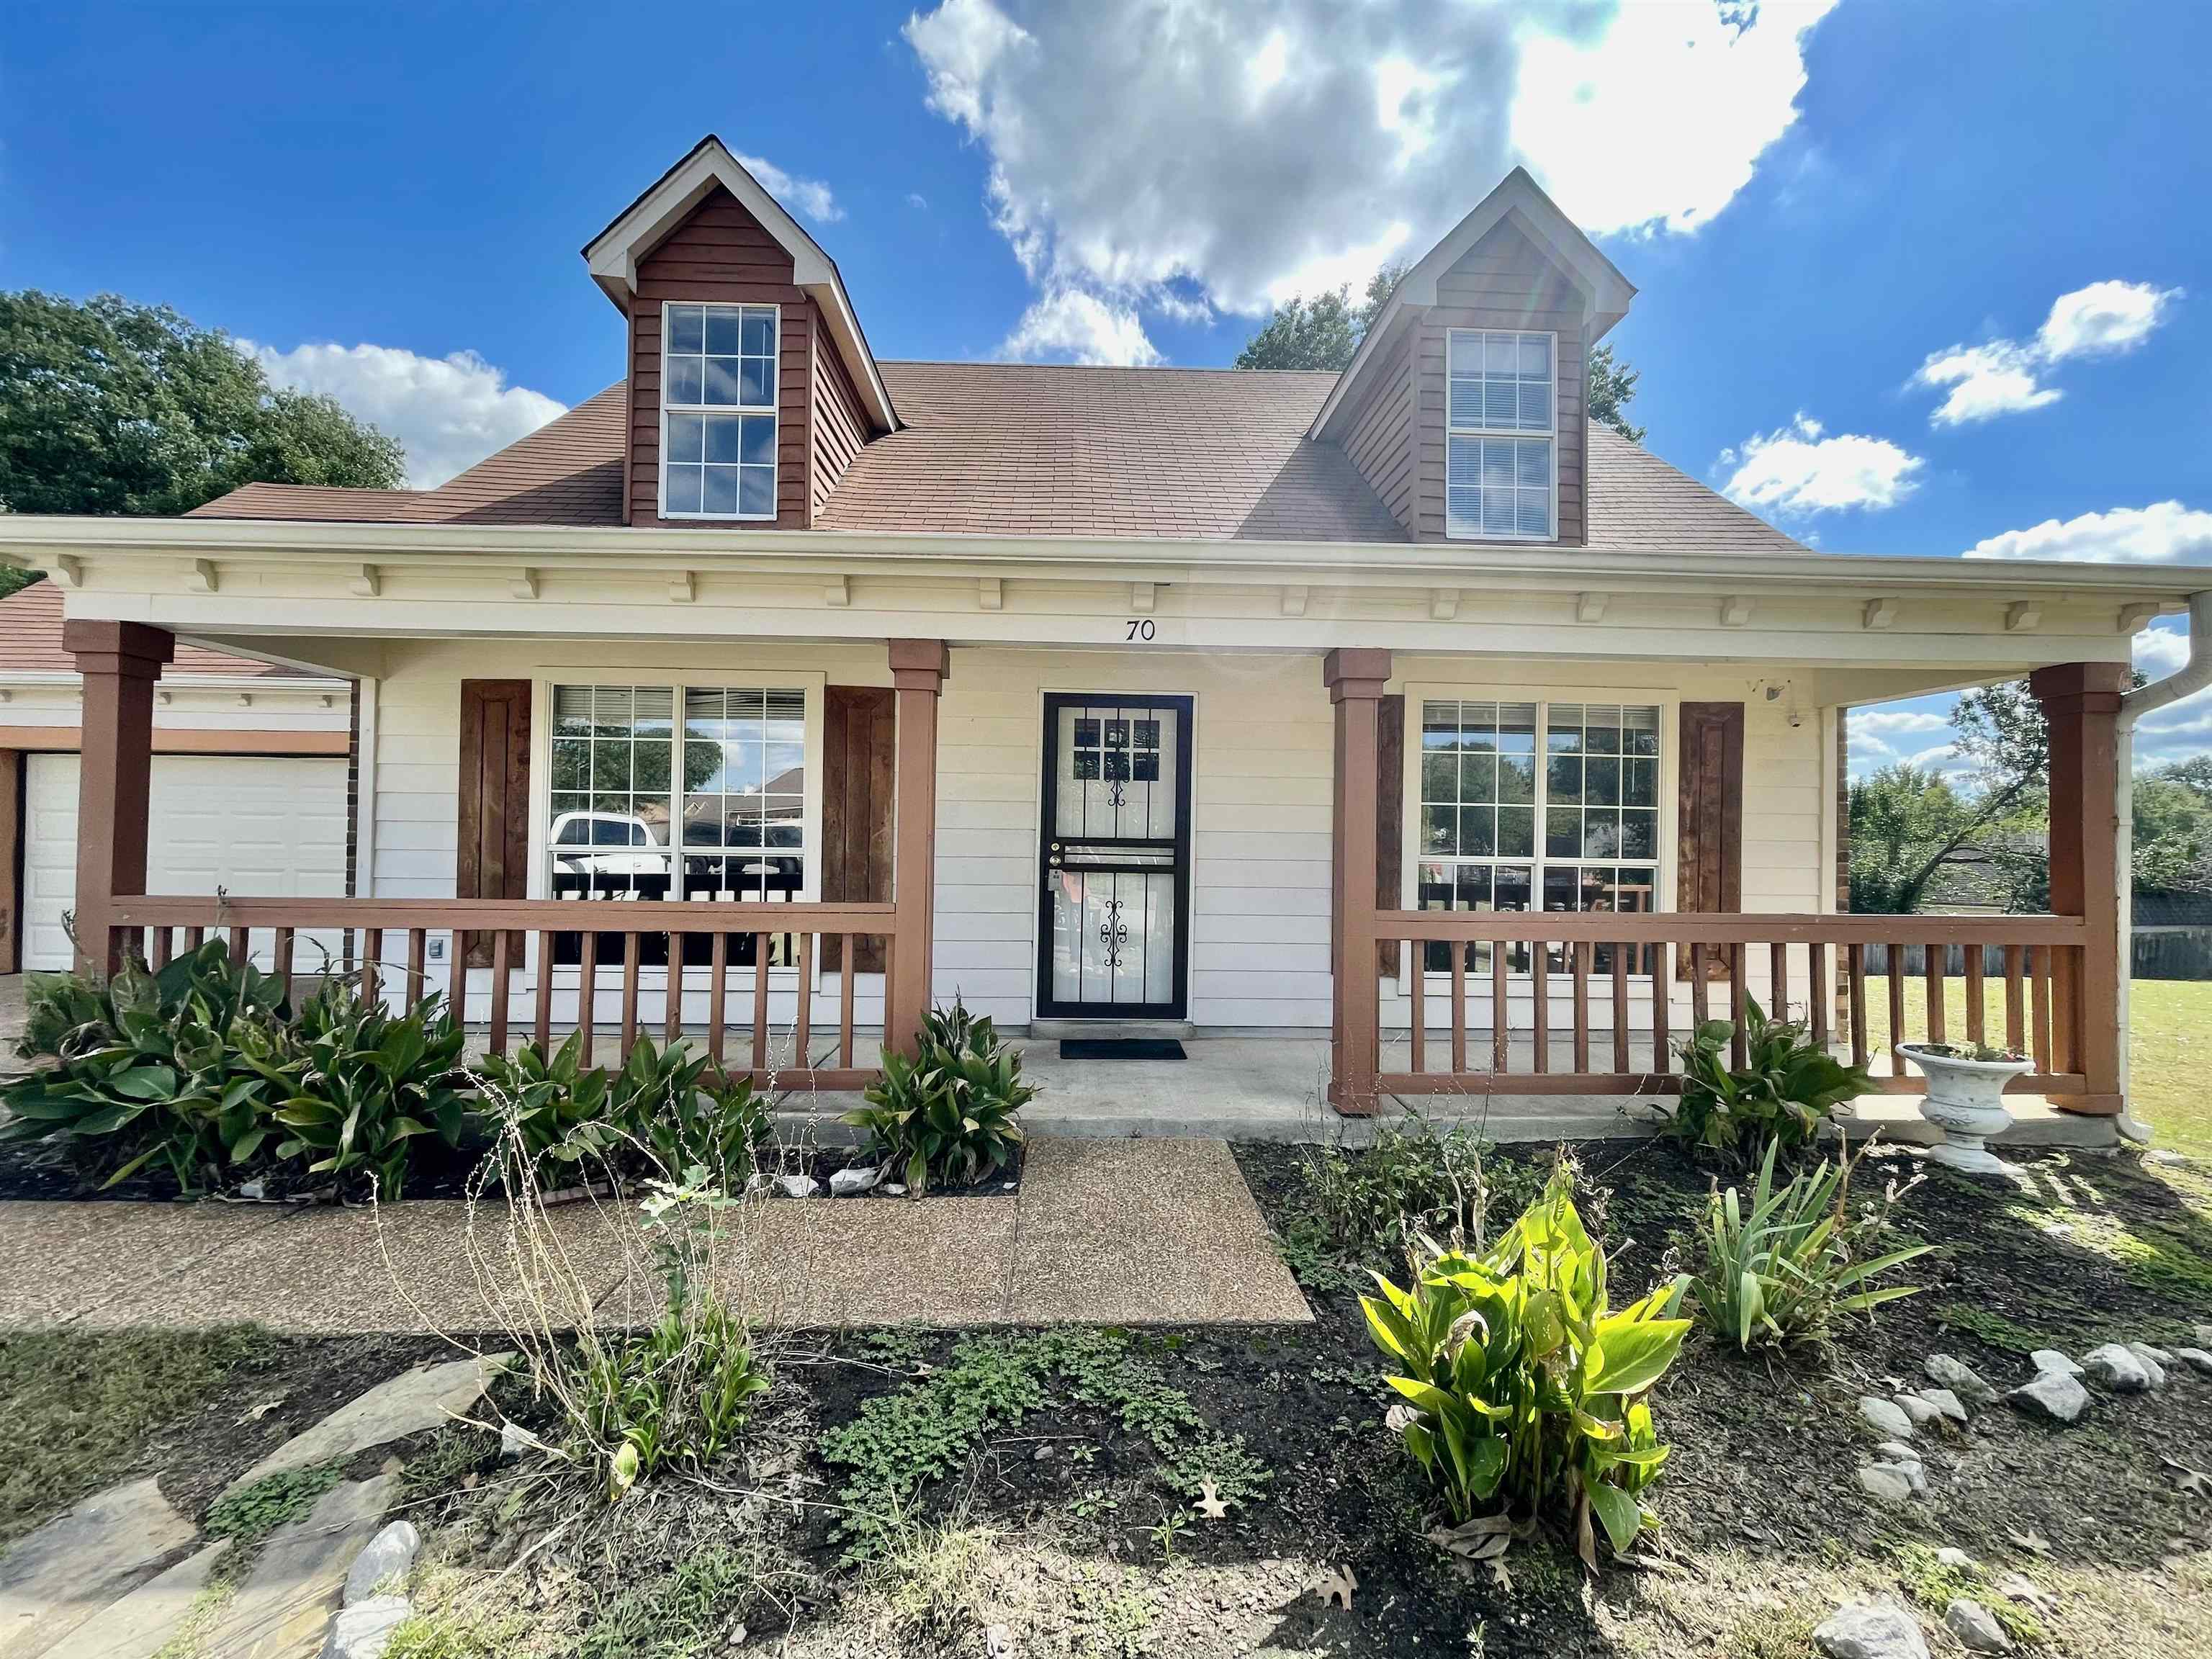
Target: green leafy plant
x,y
1981,1052
660,1103
947,1113
1785,1089
154,1067
1416,1181
1784,1271
249,1516
366,1081
1524,1393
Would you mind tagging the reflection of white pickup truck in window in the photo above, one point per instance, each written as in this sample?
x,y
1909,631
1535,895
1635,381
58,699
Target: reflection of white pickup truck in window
x,y
623,854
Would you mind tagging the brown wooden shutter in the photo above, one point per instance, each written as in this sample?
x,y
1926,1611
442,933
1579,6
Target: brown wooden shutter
x,y
859,731
494,847
1709,854
1389,821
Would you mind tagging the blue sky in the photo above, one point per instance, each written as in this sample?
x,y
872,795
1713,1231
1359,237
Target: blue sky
x,y
1814,201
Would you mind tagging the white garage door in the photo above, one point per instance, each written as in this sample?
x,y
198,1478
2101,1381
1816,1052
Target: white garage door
x,y
256,828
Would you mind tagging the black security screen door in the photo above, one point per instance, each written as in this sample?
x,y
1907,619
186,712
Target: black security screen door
x,y
1115,913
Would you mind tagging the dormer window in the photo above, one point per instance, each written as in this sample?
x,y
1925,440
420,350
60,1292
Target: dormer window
x,y
1501,465
718,390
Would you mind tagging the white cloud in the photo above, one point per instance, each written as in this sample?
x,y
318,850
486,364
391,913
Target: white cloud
x,y
917,200
2165,532
1274,146
1069,325
1799,469
2003,377
2159,650
810,199
448,412
1895,722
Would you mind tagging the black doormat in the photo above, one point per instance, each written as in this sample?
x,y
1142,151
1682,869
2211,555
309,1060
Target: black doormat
x,y
1121,1048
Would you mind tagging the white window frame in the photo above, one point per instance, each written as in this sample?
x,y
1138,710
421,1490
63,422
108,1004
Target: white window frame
x,y
1458,531
772,407
1545,697
812,685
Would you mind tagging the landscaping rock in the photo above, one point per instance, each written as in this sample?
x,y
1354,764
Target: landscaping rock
x,y
286,1602
799,1186
2054,1395
385,1559
2153,1361
2050,1359
1961,1379
1892,1483
1922,1412
1946,1402
66,1571
427,1397
362,1629
2204,1336
1886,1418
2115,1368
847,1183
146,1621
1975,1626
1957,1560
2018,1587
2196,1358
1896,1451
1872,1630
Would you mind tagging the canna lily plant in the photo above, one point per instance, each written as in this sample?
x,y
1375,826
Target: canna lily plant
x,y
1524,1394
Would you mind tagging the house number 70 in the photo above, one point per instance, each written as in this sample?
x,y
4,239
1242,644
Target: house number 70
x,y
1140,628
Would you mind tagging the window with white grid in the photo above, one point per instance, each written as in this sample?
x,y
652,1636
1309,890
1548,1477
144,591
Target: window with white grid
x,y
717,398
1501,413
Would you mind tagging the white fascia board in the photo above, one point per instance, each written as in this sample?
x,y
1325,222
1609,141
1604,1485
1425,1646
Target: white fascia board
x,y
39,540
1606,292
613,255
263,684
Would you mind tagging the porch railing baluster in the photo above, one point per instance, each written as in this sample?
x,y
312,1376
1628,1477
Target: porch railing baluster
x,y
544,1013
1933,967
1419,975
587,996
718,984
497,1036
632,942
1578,954
1620,1006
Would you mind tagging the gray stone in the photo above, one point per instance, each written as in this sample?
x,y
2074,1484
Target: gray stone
x,y
2053,1394
1886,1418
1975,1626
1946,1402
2018,1587
2204,1336
799,1186
1922,1412
1893,1482
2143,1351
146,1621
285,1604
427,1397
362,1629
384,1562
2050,1359
845,1183
59,1577
1957,1560
894,1189
2197,1358
1896,1451
1960,1378
2115,1368
1872,1630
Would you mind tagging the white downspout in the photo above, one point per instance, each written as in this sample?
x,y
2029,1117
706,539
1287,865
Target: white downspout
x,y
2189,678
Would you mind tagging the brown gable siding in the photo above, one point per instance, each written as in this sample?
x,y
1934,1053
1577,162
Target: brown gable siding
x,y
1503,281
1381,440
722,255
839,424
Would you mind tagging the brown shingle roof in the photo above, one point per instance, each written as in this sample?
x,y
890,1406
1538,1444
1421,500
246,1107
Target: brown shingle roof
x,y
1024,449
31,641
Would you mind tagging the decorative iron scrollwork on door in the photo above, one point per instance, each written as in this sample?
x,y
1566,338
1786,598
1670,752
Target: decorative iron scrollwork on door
x,y
1112,932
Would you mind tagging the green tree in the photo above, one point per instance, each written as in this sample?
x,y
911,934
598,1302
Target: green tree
x,y
13,580
1612,387
2172,826
1905,821
107,407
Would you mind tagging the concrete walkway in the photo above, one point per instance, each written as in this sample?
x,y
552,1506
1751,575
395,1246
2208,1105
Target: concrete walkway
x,y
1153,1231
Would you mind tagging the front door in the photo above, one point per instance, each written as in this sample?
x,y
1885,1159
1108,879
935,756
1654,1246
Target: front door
x,y
1116,857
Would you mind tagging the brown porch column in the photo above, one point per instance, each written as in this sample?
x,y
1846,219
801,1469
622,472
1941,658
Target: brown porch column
x,y
918,669
1355,681
119,661
2081,705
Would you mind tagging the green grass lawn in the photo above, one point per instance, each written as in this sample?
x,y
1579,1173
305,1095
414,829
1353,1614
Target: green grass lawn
x,y
2170,1039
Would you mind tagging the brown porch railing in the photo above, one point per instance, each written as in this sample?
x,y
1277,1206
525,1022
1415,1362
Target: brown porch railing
x,y
1611,968
357,933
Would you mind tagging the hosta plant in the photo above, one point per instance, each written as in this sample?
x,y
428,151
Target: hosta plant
x,y
1524,1392
1783,1091
366,1082
1781,1270
947,1113
152,1068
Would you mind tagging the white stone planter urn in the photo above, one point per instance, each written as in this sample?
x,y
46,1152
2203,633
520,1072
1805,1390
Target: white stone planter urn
x,y
1965,1101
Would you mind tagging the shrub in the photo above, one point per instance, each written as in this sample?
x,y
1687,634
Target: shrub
x,y
1522,1390
1786,1086
152,1066
660,1102
367,1081
1781,1272
947,1113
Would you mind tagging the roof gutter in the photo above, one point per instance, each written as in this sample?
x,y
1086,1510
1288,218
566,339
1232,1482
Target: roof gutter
x,y
2185,681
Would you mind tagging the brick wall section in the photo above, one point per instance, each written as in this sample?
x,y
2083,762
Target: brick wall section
x,y
722,255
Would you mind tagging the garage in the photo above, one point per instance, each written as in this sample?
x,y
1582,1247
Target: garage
x,y
268,826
